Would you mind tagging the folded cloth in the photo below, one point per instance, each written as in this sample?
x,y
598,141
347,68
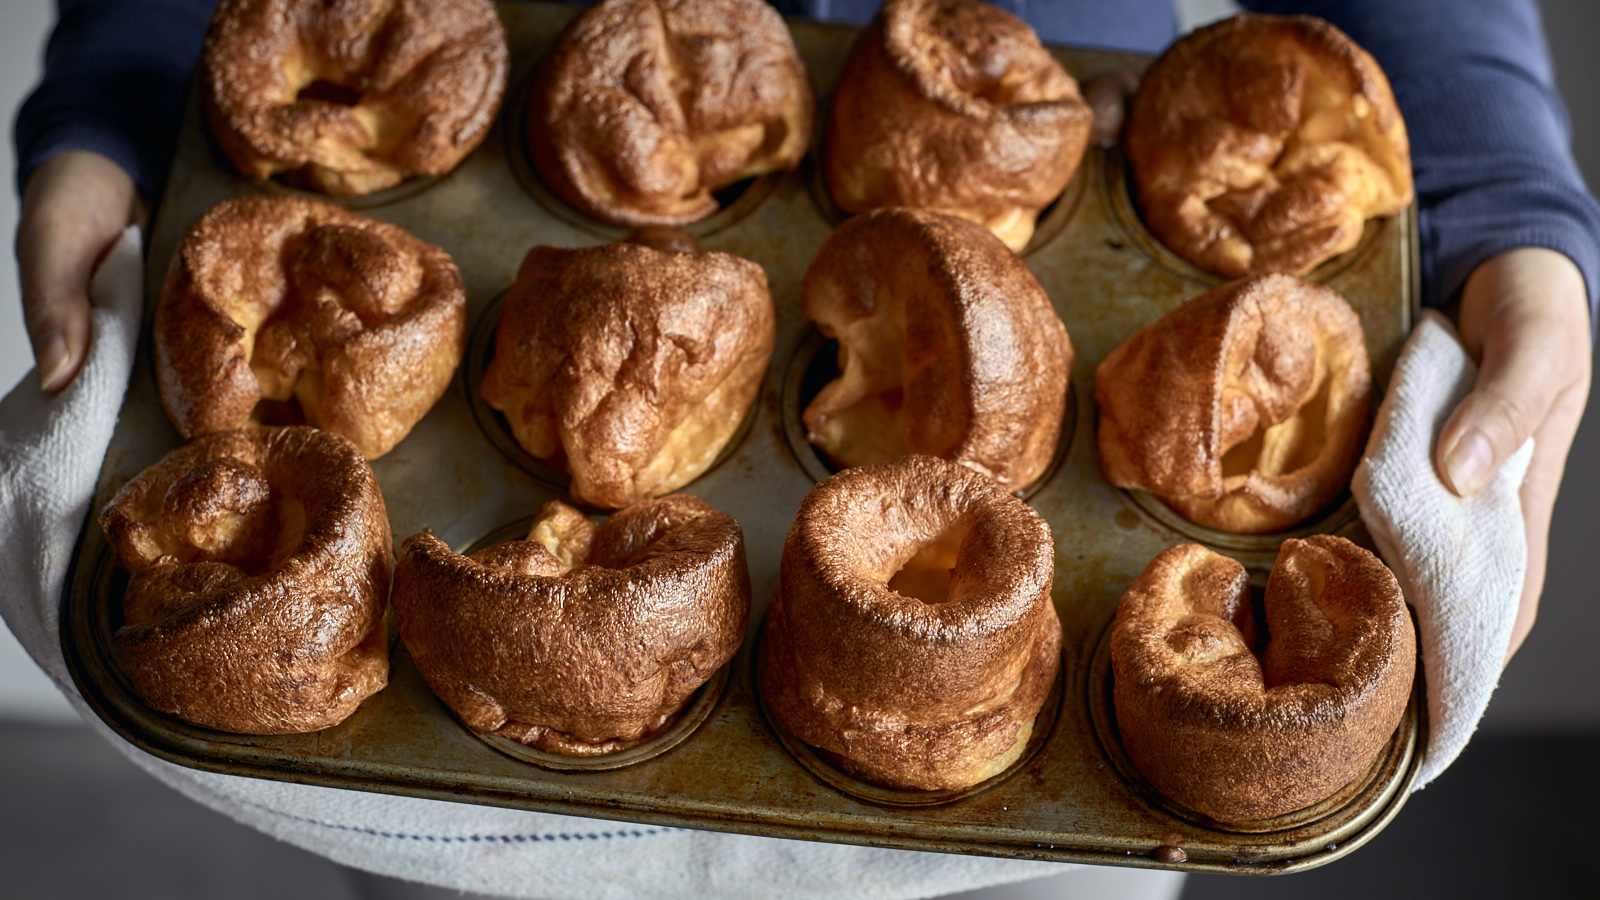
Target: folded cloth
x,y
1460,560
52,449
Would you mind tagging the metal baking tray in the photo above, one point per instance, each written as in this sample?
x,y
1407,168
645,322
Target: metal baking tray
x,y
1074,798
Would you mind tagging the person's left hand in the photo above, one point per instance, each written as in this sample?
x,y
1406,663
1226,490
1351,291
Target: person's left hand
x,y
1525,320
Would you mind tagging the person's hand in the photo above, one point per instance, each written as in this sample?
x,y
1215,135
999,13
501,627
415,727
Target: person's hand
x,y
74,208
1525,319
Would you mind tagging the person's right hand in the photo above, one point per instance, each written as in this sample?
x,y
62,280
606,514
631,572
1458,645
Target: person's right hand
x,y
74,208
1525,320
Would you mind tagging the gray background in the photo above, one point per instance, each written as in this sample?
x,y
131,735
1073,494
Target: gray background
x,y
62,792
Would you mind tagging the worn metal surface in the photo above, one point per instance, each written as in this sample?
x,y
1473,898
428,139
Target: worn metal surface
x,y
1074,800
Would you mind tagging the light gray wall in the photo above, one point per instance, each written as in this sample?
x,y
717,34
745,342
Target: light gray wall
x,y
1549,686
24,691
23,27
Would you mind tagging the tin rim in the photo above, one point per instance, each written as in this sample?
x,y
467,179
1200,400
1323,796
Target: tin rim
x,y
1334,518
1120,197
1392,771
734,202
825,770
405,190
493,424
809,370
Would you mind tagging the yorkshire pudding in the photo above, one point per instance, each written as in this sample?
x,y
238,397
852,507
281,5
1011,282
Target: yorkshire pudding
x,y
259,563
629,365
284,308
579,640
352,97
912,635
954,105
1237,731
1264,143
947,346
645,107
1245,409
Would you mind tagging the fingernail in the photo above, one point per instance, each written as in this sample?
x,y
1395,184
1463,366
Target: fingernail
x,y
1469,463
53,363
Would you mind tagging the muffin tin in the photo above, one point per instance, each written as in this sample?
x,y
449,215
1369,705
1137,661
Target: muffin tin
x,y
1074,799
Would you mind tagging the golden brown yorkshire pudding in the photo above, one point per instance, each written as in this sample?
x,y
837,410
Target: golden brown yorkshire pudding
x,y
1245,409
355,96
912,635
954,105
947,346
1237,731
579,640
1264,143
629,365
259,563
645,107
283,308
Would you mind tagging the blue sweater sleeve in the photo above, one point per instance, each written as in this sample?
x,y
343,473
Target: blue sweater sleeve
x,y
114,72
1490,140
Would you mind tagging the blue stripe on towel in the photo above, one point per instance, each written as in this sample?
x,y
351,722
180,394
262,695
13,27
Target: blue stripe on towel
x,y
473,838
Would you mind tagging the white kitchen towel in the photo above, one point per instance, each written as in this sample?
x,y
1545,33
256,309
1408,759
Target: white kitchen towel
x,y
52,449
1460,560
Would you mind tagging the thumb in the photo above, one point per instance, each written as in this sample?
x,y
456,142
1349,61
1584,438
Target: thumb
x,y
1507,321
55,291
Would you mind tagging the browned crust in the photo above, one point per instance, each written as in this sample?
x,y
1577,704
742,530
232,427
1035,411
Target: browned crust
x,y
630,366
1237,733
585,661
645,107
1263,143
911,694
1249,361
954,105
277,627
360,322
949,347
430,75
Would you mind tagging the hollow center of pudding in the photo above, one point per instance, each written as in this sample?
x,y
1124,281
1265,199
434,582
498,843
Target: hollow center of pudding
x,y
340,280
1232,623
1251,620
1327,134
926,575
329,92
1286,447
566,532
861,417
1338,132
222,511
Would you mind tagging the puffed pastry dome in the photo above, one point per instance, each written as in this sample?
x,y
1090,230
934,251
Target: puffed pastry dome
x,y
356,96
954,105
644,108
259,564
913,637
1245,409
579,640
948,346
1264,143
283,309
1238,731
629,365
